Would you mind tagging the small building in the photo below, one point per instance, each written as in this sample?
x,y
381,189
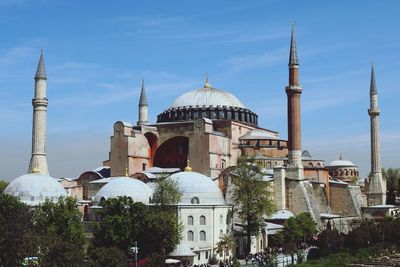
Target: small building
x,y
380,212
343,170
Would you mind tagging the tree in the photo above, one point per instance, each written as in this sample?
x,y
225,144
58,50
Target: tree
x,y
226,243
110,257
3,185
251,196
392,177
307,226
167,192
15,230
123,222
329,241
59,233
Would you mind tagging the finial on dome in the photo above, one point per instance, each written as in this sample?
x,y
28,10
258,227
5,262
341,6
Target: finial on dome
x,y
126,172
207,83
340,156
188,168
35,170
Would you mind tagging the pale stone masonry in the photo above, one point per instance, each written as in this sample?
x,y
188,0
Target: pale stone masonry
x,y
39,103
377,185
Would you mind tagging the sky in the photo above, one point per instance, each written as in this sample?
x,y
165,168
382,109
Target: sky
x,y
97,53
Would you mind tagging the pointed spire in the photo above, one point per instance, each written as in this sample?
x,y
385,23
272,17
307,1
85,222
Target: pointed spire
x,y
188,168
372,88
293,50
41,69
207,83
143,98
340,156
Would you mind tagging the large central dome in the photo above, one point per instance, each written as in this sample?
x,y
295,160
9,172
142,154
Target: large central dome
x,y
208,102
209,97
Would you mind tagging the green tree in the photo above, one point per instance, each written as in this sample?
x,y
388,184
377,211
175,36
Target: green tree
x,y
307,226
123,222
110,257
392,177
3,185
329,241
251,195
15,231
167,192
226,243
59,233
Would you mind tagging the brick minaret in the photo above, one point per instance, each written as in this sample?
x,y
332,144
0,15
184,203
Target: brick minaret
x,y
377,185
293,91
39,103
143,107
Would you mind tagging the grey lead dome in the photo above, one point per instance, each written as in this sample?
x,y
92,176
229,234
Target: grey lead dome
x,y
209,97
34,188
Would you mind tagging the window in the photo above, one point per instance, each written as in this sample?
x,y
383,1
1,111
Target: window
x,y
202,236
310,165
190,236
198,255
190,220
221,233
143,166
195,200
221,219
223,164
202,220
206,255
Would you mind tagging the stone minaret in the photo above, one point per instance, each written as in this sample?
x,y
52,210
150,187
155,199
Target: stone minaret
x,y
39,103
293,91
377,185
143,107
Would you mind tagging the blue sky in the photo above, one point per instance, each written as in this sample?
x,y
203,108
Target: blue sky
x,y
96,54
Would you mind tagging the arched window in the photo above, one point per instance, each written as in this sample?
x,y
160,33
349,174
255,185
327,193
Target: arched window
x,y
190,220
223,164
190,236
310,165
346,172
318,164
195,200
221,219
202,220
202,236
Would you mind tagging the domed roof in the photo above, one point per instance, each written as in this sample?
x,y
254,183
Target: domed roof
x,y
198,189
207,96
125,186
34,188
341,162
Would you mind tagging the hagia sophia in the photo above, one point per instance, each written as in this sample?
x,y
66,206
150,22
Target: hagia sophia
x,y
196,142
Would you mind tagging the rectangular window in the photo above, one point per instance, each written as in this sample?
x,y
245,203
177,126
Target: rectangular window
x,y
198,255
206,255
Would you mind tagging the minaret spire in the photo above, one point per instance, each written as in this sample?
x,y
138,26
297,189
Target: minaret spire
x,y
293,60
293,91
143,107
39,102
377,185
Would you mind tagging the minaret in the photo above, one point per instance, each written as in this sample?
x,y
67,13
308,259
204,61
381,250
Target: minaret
x,y
143,107
293,91
39,103
377,185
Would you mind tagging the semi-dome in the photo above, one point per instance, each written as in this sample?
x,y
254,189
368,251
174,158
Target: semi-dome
x,y
34,188
197,189
124,186
208,102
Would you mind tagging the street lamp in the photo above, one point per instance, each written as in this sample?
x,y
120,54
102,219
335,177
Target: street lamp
x,y
135,250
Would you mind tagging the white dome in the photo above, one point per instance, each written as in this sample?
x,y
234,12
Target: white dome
x,y
125,186
196,186
34,188
341,162
209,97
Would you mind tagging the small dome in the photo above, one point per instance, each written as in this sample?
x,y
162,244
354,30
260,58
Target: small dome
x,y
341,162
125,186
34,188
209,97
198,189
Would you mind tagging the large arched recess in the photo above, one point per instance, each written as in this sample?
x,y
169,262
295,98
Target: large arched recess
x,y
173,153
152,139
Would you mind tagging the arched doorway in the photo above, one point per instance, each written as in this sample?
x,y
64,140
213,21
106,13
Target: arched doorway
x,y
173,153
